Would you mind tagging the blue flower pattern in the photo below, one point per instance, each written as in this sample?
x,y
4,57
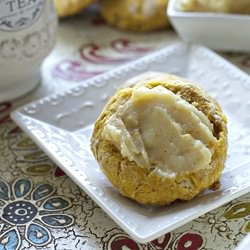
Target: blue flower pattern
x,y
31,213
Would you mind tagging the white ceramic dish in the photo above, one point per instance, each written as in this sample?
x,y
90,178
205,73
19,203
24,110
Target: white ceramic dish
x,y
61,125
226,32
244,245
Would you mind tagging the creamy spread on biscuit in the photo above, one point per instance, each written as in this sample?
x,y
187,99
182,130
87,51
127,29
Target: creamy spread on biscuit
x,y
158,129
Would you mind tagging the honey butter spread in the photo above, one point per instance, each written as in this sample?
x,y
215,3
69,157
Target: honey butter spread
x,y
222,6
158,129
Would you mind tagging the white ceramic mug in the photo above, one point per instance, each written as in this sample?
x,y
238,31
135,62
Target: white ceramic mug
x,y
27,35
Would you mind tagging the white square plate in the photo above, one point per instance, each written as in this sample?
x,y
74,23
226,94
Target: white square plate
x,y
62,124
215,30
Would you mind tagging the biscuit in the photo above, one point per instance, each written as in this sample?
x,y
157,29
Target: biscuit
x,y
137,16
66,8
148,183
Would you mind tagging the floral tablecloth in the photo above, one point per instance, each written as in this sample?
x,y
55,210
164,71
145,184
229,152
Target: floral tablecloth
x,y
41,208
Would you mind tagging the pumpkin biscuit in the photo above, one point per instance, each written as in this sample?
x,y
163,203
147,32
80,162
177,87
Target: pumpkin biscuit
x,y
66,8
137,16
179,156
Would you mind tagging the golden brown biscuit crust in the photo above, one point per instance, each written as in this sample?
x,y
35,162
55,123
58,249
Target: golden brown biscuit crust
x,y
137,16
66,8
145,185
